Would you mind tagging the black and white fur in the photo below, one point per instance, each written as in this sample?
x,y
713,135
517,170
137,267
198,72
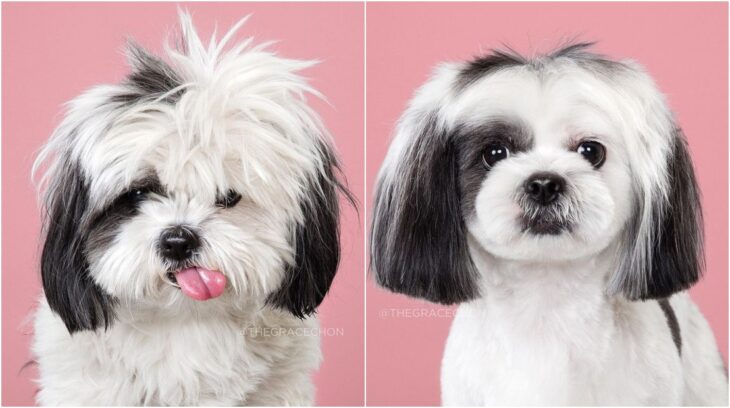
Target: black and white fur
x,y
218,141
578,300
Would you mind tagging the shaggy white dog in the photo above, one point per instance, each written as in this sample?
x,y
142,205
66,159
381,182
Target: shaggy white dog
x,y
191,230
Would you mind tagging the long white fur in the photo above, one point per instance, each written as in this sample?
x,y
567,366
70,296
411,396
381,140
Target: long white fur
x,y
550,327
242,122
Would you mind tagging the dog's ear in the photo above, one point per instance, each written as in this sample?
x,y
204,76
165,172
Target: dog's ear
x,y
316,242
661,251
677,255
419,238
665,235
67,283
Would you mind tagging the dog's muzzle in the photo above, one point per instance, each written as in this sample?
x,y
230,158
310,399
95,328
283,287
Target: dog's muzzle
x,y
542,195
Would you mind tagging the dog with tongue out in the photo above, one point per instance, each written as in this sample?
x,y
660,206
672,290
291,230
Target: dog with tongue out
x,y
191,212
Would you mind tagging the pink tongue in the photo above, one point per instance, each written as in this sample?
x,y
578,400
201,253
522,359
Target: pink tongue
x,y
201,284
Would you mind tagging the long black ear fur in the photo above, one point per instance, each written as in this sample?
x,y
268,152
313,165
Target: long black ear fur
x,y
674,257
419,237
68,286
677,256
317,242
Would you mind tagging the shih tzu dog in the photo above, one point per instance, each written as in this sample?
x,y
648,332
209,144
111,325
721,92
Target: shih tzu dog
x,y
554,198
191,232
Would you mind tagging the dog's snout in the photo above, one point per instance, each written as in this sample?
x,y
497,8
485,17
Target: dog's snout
x,y
544,188
178,243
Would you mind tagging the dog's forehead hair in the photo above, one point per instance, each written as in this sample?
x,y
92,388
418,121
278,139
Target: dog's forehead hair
x,y
555,110
194,156
565,92
574,53
203,179
117,167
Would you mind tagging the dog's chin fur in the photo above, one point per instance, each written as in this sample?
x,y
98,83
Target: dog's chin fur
x,y
217,140
561,303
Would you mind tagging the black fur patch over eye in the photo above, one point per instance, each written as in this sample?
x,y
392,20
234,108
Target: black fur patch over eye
x,y
229,200
104,224
483,146
129,201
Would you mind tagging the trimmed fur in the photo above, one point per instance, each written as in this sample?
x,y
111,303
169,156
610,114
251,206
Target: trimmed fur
x,y
562,317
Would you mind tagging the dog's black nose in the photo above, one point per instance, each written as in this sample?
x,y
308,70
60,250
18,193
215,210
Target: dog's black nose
x,y
544,188
178,243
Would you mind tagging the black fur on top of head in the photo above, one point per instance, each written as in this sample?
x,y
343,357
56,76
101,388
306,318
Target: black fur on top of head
x,y
317,242
418,240
151,77
497,60
484,65
676,257
69,288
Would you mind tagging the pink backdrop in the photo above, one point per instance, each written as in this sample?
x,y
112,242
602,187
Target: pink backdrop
x,y
52,52
683,45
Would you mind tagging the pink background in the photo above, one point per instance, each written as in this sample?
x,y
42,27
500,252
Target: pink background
x,y
684,46
52,52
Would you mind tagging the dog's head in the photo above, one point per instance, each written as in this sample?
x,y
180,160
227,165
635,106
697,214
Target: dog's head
x,y
204,175
552,159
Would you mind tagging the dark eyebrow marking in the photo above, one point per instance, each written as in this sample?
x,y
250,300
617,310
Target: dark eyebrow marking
x,y
481,66
501,59
503,129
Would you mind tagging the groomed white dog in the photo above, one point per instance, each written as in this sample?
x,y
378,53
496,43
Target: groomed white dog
x,y
554,198
191,232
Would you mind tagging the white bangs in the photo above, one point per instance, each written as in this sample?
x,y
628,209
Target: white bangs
x,y
227,118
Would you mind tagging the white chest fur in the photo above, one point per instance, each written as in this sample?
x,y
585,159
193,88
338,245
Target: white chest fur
x,y
229,359
555,338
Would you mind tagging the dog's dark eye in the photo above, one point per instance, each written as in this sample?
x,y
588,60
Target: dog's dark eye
x,y
594,152
229,200
137,195
494,153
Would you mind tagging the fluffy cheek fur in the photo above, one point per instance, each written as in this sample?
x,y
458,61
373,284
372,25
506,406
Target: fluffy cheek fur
x,y
595,206
248,244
